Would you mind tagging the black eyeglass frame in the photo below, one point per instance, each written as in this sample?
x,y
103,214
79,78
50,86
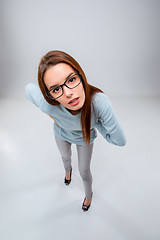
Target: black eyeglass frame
x,y
64,84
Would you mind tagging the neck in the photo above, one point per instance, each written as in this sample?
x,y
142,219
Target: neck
x,y
74,112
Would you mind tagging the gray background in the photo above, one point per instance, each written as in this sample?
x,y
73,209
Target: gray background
x,y
115,42
117,45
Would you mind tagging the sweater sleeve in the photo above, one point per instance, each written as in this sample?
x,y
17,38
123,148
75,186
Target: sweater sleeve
x,y
33,93
107,122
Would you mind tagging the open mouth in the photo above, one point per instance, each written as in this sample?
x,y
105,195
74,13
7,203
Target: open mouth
x,y
75,101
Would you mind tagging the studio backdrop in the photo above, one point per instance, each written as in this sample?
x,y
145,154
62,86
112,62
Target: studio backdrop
x,y
116,42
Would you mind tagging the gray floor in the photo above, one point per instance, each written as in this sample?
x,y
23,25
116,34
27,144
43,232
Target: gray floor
x,y
36,205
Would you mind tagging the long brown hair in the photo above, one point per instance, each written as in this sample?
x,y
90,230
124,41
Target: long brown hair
x,y
54,57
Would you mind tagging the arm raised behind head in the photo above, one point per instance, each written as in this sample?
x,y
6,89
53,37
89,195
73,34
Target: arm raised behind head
x,y
33,93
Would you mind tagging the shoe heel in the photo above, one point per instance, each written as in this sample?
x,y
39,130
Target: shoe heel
x,y
67,182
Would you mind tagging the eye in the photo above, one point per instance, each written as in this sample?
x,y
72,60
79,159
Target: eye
x,y
71,80
55,90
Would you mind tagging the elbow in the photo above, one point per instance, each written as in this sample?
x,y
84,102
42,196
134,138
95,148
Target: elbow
x,y
122,143
116,141
28,90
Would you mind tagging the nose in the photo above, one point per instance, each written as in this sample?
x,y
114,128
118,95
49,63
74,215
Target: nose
x,y
67,91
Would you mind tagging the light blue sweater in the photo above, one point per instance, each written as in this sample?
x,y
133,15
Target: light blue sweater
x,y
103,118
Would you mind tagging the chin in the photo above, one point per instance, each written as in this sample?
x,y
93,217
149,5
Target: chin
x,y
75,109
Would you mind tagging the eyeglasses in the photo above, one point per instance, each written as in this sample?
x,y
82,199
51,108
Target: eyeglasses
x,y
72,82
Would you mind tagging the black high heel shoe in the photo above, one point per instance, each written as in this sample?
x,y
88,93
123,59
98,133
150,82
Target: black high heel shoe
x,y
67,182
84,207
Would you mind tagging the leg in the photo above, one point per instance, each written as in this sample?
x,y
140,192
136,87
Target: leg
x,y
65,150
84,160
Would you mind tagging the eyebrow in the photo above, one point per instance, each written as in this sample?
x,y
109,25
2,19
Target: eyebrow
x,y
64,81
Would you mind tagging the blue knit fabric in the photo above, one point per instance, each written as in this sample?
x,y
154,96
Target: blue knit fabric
x,y
103,118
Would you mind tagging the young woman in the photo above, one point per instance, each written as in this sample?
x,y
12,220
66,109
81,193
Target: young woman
x,y
78,109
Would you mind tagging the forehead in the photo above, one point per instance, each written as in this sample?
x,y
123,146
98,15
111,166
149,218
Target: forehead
x,y
57,73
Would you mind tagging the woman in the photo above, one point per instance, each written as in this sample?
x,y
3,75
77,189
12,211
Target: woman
x,y
77,108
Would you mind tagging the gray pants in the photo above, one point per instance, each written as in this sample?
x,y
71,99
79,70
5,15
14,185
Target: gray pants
x,y
84,160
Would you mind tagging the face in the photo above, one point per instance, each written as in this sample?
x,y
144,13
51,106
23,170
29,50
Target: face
x,y
72,99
